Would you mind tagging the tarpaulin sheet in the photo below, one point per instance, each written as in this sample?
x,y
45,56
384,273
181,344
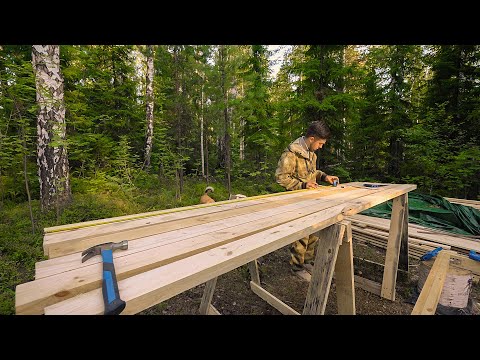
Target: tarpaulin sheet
x,y
435,212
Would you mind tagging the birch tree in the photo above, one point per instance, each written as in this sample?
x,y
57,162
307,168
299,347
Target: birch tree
x,y
226,138
52,157
149,106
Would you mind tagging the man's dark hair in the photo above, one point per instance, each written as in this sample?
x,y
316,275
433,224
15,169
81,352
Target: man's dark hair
x,y
318,129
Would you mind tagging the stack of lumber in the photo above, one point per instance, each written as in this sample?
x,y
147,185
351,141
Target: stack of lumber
x,y
374,231
473,203
171,251
421,239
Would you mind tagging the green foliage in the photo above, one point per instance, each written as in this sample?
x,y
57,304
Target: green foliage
x,y
19,251
398,113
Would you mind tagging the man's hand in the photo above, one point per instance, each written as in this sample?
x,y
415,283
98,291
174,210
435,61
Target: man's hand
x,y
330,179
311,185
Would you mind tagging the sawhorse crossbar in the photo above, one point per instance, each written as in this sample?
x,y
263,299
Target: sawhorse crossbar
x,y
334,254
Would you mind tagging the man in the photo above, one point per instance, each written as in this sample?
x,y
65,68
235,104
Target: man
x,y
297,170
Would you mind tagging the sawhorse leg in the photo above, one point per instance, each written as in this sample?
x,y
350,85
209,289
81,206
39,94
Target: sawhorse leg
x,y
344,274
327,256
397,243
206,307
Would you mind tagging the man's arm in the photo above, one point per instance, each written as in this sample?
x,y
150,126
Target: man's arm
x,y
321,176
285,173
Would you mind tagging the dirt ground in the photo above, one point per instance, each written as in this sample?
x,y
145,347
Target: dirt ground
x,y
233,296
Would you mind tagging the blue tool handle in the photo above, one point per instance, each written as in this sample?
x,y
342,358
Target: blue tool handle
x,y
473,255
111,297
431,254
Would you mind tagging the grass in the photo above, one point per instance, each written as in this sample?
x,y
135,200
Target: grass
x,y
95,198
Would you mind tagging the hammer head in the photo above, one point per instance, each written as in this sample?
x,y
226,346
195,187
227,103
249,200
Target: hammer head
x,y
97,249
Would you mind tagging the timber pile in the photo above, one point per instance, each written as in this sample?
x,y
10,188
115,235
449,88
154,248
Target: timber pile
x,y
473,203
171,251
421,239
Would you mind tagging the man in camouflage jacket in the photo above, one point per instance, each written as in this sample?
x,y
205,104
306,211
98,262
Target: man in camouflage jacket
x,y
297,170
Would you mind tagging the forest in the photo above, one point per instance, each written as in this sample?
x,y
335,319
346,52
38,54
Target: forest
x,y
95,131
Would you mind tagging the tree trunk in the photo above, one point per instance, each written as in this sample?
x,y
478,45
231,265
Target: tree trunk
x,y
242,129
149,99
226,141
52,160
201,133
27,188
178,115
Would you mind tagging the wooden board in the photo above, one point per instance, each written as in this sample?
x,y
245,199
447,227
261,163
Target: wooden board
x,y
65,280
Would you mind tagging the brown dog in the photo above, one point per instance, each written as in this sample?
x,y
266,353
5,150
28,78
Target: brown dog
x,y
206,199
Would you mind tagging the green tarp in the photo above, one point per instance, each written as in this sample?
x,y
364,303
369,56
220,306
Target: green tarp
x,y
435,212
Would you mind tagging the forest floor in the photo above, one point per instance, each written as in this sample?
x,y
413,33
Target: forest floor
x,y
233,296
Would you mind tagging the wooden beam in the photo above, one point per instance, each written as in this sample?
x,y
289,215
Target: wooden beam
x,y
344,277
74,277
67,242
107,221
368,285
207,296
377,196
332,207
325,258
432,289
152,287
187,230
393,247
254,273
403,256
415,231
465,263
212,310
272,300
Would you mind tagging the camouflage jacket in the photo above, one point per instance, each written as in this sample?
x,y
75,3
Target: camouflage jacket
x,y
297,166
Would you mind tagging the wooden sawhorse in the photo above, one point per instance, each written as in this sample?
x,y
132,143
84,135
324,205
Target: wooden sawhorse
x,y
334,254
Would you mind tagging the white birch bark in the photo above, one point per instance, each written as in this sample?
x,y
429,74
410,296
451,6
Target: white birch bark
x,y
201,134
52,160
149,106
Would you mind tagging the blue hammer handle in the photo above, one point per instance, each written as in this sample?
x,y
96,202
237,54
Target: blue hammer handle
x,y
431,254
111,296
473,255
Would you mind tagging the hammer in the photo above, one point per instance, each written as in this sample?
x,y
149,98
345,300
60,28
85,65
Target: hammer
x,y
111,297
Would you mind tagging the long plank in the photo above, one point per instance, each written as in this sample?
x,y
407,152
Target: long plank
x,y
432,289
110,220
272,300
78,232
172,256
152,287
368,285
66,242
363,204
414,232
70,262
383,235
77,277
